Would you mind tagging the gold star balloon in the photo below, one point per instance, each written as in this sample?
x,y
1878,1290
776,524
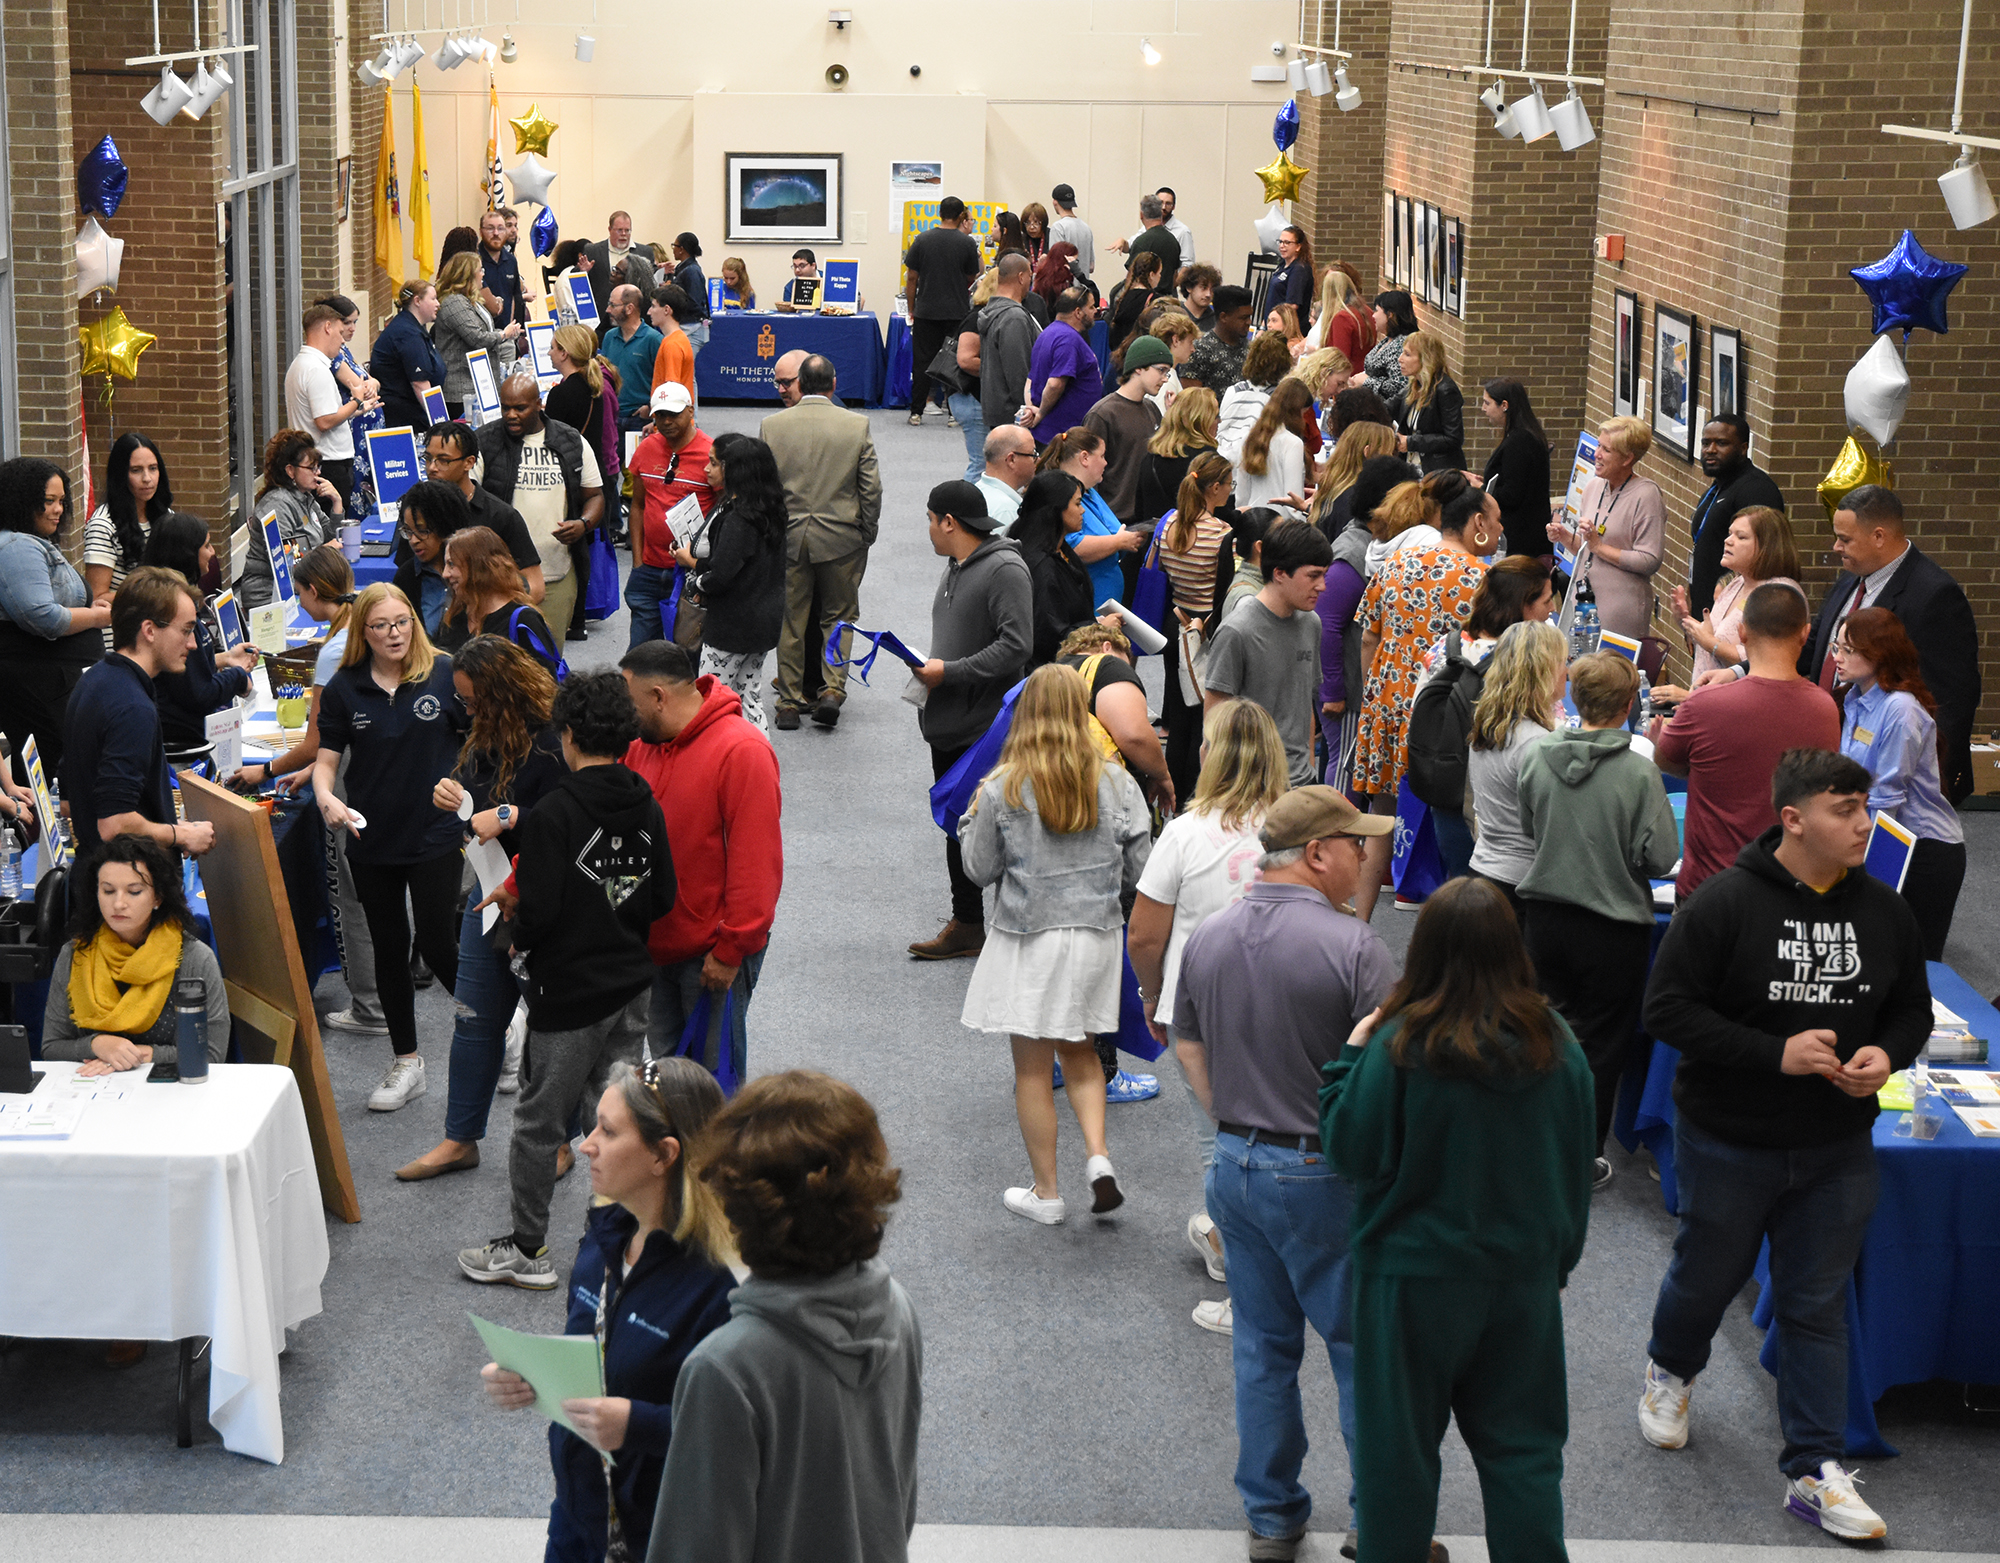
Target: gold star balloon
x,y
532,131
1852,468
112,345
1282,178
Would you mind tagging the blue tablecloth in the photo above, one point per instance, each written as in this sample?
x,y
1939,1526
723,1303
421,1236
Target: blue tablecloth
x,y
370,568
896,387
1921,1303
736,363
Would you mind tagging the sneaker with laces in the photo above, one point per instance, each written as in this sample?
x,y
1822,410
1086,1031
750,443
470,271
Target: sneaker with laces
x,y
510,1063
403,1084
1201,1233
1104,1191
1275,1549
1215,1317
344,1019
1026,1202
1829,1501
1663,1408
1125,1086
501,1263
1601,1175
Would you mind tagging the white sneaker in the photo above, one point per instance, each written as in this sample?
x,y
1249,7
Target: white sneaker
x,y
517,1041
1026,1202
1199,1230
1104,1191
1663,1408
1215,1317
403,1084
344,1019
1829,1501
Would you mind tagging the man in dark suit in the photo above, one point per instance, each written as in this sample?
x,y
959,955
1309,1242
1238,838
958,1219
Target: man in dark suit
x,y
1734,483
605,255
1886,570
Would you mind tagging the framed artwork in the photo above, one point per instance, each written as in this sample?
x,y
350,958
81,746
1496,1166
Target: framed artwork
x,y
1389,237
1676,380
1454,266
782,197
1435,219
1257,273
1421,251
1624,354
1407,278
342,180
1726,391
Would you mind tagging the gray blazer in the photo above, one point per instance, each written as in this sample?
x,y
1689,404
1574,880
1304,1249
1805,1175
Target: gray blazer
x,y
600,270
463,326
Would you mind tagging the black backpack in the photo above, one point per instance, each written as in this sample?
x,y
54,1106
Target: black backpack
x,y
1441,730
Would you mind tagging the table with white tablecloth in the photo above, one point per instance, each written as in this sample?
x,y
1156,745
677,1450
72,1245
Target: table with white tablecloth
x,y
178,1210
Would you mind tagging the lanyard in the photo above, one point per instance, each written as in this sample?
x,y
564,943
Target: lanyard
x,y
615,1545
1606,503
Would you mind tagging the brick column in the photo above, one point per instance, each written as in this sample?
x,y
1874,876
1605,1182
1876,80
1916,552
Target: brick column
x,y
319,227
1340,202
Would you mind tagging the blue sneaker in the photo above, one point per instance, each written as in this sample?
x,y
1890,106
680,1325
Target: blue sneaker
x,y
1128,1087
1058,1081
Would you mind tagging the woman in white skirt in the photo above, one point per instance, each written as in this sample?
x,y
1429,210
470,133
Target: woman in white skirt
x,y
1064,836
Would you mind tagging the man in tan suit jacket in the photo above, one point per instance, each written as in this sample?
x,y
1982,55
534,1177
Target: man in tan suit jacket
x,y
833,495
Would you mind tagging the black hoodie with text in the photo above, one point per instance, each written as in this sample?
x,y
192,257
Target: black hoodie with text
x,y
1756,957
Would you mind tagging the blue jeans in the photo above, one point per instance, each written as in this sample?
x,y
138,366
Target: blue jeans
x,y
972,421
1284,1215
1814,1206
1454,838
646,588
486,995
676,991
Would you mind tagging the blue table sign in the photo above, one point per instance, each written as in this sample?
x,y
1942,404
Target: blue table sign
x,y
394,459
1889,850
434,406
229,619
581,302
843,287
281,564
484,404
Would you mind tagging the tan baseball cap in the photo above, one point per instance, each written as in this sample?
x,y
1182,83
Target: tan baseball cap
x,y
1310,813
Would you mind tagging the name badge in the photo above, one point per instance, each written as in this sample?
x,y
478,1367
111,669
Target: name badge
x,y
1863,736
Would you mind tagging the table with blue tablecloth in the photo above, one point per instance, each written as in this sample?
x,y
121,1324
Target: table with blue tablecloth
x,y
736,363
370,568
896,387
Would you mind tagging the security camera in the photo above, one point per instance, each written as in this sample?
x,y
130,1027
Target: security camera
x,y
840,19
916,70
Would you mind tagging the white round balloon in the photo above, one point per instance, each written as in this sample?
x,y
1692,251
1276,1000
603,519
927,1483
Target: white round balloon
x,y
97,258
532,178
1878,391
1269,226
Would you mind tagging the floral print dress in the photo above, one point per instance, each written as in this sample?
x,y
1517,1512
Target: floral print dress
x,y
1417,596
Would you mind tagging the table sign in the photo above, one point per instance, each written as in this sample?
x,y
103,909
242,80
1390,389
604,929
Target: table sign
x,y
1890,848
434,406
396,462
485,404
224,729
541,336
45,810
720,297
228,618
805,293
1624,645
575,303
267,627
281,564
843,287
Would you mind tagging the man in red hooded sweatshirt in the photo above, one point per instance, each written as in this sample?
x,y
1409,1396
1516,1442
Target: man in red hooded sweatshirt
x,y
716,779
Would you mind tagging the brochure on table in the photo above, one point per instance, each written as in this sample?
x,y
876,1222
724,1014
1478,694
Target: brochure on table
x,y
484,405
435,408
224,729
843,287
541,335
45,809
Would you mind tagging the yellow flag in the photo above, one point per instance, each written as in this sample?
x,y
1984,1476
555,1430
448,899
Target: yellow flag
x,y
388,199
495,194
420,185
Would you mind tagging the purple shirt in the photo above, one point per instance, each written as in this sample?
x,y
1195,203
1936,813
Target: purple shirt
x,y
1344,590
1063,352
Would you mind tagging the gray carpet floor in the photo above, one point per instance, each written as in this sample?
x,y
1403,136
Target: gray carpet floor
x,y
1065,1384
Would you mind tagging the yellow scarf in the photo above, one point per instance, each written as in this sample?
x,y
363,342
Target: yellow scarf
x,y
99,969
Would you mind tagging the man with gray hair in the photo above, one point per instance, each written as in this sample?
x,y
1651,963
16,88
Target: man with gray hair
x,y
1007,335
1010,462
1156,238
1183,235
1268,991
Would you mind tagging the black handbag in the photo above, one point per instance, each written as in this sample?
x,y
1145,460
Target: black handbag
x,y
944,368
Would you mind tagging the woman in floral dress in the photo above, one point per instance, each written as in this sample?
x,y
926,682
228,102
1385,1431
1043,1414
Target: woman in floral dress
x,y
1416,596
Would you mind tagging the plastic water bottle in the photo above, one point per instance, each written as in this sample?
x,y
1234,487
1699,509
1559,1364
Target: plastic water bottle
x,y
1587,625
10,866
55,807
191,1029
1645,701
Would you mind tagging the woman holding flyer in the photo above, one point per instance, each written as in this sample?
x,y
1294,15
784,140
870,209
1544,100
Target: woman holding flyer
x,y
742,581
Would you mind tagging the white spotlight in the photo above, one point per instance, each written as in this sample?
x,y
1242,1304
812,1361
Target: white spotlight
x,y
1348,99
1295,73
509,50
586,46
1495,99
1319,80
1531,114
1147,52
1572,122
168,98
409,54
450,54
378,70
209,86
1966,193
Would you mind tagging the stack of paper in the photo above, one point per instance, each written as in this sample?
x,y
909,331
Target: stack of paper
x,y
1982,1121
1967,1088
40,1118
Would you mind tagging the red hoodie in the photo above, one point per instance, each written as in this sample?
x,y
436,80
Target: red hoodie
x,y
717,784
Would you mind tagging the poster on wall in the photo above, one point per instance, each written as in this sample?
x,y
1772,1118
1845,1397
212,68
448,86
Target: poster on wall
x,y
1437,256
1676,377
916,181
782,197
1427,252
1405,237
1454,265
1389,237
1624,354
1726,392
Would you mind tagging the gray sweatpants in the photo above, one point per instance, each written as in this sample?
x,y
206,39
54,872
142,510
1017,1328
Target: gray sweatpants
x,y
562,1072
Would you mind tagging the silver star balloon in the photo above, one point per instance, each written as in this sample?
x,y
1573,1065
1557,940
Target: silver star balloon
x,y
1878,391
531,178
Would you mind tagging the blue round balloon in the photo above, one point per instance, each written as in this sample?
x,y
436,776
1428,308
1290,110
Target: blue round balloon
x,y
1908,287
542,233
101,179
1285,128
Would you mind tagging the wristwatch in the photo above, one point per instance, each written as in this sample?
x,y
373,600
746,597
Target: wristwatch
x,y
506,814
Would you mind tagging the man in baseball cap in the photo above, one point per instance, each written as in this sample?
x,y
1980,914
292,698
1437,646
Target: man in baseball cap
x,y
1068,228
1269,989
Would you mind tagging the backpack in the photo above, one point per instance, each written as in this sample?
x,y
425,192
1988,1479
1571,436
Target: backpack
x,y
1441,730
528,643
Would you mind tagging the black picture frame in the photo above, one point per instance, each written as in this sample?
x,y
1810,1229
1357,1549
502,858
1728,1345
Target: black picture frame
x,y
749,180
1726,388
1454,266
1625,354
1389,237
1258,270
1676,380
1406,276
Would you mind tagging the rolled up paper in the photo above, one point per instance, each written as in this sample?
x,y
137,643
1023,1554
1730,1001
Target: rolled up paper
x,y
1137,630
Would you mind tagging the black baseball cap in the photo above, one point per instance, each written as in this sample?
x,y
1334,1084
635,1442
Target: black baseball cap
x,y
1063,195
964,503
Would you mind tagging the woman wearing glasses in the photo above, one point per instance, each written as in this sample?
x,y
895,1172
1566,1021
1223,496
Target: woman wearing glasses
x,y
305,506
432,513
393,706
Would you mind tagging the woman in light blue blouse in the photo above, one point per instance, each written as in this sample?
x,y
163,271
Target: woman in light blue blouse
x,y
1889,723
50,631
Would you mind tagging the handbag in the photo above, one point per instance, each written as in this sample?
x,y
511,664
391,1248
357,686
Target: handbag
x,y
1193,654
705,1025
600,597
528,644
1417,865
953,792
944,368
1153,593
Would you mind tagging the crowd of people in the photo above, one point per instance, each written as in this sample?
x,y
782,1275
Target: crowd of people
x,y
1354,628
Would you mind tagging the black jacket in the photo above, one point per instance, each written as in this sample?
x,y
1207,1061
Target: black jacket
x,y
1517,476
1933,609
1755,957
742,584
1062,601
187,697
1437,429
1733,490
594,874
502,456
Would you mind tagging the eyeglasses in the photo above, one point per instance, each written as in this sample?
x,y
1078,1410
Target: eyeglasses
x,y
443,458
782,380
410,531
390,626
305,466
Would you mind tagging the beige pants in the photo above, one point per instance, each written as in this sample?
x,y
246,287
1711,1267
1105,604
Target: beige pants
x,y
839,584
558,606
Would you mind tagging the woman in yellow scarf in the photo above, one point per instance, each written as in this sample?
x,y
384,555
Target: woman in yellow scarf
x,y
111,992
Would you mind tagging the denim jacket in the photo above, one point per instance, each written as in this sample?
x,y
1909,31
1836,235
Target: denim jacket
x,y
1050,881
38,586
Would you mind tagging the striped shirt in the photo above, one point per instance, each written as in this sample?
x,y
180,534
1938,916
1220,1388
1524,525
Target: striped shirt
x,y
1193,573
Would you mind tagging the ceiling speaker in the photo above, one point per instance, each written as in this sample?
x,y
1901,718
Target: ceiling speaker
x,y
836,76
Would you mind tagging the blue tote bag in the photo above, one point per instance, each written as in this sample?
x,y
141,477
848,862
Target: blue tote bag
x,y
1418,866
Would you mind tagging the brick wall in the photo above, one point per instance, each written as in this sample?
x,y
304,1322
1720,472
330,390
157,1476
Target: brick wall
x,y
365,127
1340,201
319,230
43,226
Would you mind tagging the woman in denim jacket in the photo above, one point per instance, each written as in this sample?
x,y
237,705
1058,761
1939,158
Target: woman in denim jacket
x,y
1064,834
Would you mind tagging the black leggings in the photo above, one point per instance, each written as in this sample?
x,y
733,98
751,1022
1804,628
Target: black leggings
x,y
1593,970
1931,885
432,887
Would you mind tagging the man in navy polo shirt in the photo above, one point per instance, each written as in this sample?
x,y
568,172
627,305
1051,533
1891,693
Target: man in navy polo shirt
x,y
500,273
114,769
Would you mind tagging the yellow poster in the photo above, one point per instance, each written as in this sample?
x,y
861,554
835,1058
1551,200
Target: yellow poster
x,y
919,215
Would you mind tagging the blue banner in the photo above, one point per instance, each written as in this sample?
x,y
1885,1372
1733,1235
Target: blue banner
x,y
843,285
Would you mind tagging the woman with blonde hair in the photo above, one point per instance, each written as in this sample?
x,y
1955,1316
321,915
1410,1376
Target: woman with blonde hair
x,y
1283,320
1271,469
1064,836
1344,319
1195,555
464,326
1203,862
1519,704
737,293
1316,369
1758,550
1621,535
1185,432
394,708
1430,414
1357,442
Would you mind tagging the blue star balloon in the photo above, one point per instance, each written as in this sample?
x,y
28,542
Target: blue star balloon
x,y
1908,287
1285,128
101,179
542,233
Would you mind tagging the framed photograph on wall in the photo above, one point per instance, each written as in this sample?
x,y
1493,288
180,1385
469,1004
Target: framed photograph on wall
x,y
343,168
1436,219
1454,266
1404,239
1726,392
1389,237
782,197
1624,354
1676,380
1421,251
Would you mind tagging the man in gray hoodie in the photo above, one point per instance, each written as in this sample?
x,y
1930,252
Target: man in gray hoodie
x,y
1007,335
982,631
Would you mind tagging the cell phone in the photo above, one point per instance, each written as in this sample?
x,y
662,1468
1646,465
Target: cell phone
x,y
166,1072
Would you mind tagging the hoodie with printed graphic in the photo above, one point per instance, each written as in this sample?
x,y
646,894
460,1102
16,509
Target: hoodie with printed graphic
x,y
1756,957
593,874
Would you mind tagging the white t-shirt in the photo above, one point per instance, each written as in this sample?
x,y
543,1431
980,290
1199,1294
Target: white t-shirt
x,y
541,499
312,392
1197,868
1284,472
327,663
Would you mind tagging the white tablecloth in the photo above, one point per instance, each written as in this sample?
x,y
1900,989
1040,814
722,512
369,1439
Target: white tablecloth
x,y
179,1210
